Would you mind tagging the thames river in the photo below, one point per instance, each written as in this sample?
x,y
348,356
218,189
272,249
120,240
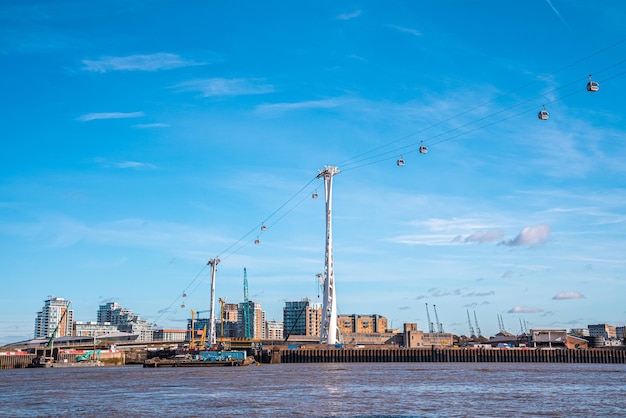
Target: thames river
x,y
319,390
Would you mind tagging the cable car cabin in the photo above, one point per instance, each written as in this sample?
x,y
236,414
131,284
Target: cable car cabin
x,y
263,227
543,114
400,162
423,149
257,241
314,195
593,86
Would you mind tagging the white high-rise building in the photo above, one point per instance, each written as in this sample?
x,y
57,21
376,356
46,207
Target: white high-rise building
x,y
55,312
125,320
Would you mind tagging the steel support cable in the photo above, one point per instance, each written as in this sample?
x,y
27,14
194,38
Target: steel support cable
x,y
256,227
380,157
347,161
471,130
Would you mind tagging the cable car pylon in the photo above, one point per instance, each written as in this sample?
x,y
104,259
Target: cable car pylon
x,y
329,334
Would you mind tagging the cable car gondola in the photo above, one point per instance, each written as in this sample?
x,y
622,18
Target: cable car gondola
x,y
423,148
257,241
543,114
400,162
314,195
592,86
263,227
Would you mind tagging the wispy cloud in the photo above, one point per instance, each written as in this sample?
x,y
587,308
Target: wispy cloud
x,y
558,14
568,295
110,115
482,237
524,309
479,294
530,235
312,104
348,16
124,164
413,32
151,125
226,87
151,62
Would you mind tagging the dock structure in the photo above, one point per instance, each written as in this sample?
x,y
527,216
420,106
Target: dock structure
x,y
443,355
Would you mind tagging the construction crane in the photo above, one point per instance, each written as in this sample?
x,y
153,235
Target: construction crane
x,y
480,334
246,306
222,302
471,328
501,323
431,327
192,337
439,324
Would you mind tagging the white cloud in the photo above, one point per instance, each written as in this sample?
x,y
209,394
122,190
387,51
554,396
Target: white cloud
x,y
530,235
151,125
212,87
525,309
110,115
312,104
348,16
152,62
405,30
124,164
568,295
482,237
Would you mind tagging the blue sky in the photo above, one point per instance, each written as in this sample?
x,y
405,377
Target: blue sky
x,y
142,138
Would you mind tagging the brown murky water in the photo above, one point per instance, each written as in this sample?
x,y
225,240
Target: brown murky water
x,y
319,390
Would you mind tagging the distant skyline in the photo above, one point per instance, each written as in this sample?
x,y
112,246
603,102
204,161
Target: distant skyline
x,y
141,139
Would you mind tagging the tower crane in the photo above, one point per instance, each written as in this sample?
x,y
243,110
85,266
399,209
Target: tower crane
x,y
480,334
439,324
431,328
471,328
246,306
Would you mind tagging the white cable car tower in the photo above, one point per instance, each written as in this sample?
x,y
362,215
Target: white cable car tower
x,y
213,262
329,333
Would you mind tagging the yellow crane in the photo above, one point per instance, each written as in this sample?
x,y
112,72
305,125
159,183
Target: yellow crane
x,y
192,339
203,338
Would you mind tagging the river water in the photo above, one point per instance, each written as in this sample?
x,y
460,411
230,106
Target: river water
x,y
320,390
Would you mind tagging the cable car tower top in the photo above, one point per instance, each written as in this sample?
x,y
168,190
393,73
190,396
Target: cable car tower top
x,y
329,333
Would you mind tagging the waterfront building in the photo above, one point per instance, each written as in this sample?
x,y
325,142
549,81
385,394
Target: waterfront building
x,y
302,317
580,332
548,338
257,319
169,335
412,336
273,330
93,329
361,324
55,312
125,320
605,331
